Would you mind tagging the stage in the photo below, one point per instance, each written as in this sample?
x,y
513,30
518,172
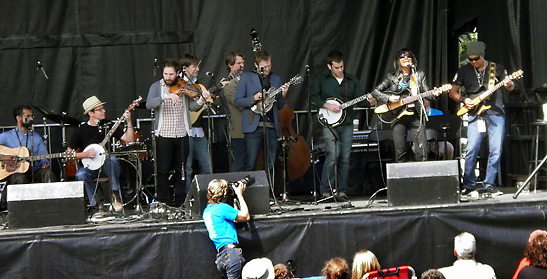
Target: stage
x,y
148,245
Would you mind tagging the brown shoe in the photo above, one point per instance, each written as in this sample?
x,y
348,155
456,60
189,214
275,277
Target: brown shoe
x,y
118,206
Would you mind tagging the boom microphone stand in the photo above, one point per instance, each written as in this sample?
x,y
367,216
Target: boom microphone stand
x,y
335,141
310,135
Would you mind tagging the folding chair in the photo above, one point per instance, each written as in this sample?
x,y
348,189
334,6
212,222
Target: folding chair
x,y
401,272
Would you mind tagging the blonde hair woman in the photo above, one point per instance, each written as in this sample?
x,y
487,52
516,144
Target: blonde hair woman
x,y
364,262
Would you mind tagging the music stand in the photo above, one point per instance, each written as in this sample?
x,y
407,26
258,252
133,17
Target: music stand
x,y
447,127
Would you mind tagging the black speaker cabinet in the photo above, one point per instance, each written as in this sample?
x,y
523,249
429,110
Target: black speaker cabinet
x,y
256,195
46,204
415,183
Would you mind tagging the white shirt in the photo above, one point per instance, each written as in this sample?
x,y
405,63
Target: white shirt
x,y
468,269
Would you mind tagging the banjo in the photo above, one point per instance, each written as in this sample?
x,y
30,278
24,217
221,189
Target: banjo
x,y
334,119
100,155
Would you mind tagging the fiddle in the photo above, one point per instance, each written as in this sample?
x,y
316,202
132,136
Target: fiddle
x,y
183,87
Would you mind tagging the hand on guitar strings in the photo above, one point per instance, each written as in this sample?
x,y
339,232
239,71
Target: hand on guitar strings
x,y
332,107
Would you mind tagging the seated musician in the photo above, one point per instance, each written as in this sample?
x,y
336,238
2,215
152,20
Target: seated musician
x,y
92,132
21,136
405,79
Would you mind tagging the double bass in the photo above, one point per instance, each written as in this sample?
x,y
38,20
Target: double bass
x,y
297,151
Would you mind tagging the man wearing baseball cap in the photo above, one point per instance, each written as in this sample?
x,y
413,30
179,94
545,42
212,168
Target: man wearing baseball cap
x,y
478,73
93,132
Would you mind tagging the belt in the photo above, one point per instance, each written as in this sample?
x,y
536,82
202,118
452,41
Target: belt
x,y
266,124
228,246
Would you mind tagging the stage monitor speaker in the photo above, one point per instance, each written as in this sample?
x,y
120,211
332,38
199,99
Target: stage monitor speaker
x,y
256,195
416,183
46,204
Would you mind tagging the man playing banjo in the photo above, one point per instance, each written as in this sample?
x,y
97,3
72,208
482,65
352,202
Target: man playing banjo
x,y
336,83
92,132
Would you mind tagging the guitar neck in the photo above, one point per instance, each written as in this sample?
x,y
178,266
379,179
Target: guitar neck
x,y
412,99
489,92
111,132
45,156
353,102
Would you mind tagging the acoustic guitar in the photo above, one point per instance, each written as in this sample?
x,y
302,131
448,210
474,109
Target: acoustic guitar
x,y
17,159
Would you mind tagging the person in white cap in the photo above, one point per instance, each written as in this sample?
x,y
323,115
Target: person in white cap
x,y
219,218
92,132
261,268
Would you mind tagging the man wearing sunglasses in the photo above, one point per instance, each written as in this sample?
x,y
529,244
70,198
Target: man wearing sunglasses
x,y
478,73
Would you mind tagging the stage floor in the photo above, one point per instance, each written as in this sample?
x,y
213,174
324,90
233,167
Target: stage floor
x,y
166,242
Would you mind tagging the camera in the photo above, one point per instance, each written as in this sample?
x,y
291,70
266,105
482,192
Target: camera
x,y
247,180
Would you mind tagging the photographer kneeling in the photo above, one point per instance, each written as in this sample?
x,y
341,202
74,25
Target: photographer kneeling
x,y
219,219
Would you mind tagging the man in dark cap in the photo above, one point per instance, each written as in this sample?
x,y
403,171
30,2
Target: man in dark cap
x,y
481,72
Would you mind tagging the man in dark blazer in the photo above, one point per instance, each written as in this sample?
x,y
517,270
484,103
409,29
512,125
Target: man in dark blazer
x,y
254,125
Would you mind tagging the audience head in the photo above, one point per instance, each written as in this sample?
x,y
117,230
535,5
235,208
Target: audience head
x,y
536,250
465,246
282,272
261,268
336,268
432,274
364,262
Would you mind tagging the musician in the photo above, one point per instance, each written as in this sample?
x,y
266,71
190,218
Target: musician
x,y
172,127
94,131
23,135
406,80
335,82
472,76
219,218
235,61
248,93
198,146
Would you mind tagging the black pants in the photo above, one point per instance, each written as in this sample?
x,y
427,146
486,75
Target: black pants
x,y
171,155
409,123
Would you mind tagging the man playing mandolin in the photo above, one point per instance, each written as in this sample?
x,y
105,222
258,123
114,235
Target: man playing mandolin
x,y
248,94
478,73
92,132
24,136
335,82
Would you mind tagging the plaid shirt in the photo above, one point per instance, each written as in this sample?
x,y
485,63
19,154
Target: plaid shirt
x,y
172,125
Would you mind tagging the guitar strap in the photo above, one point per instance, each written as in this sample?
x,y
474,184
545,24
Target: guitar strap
x,y
491,77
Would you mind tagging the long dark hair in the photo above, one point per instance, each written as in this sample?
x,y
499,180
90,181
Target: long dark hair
x,y
404,51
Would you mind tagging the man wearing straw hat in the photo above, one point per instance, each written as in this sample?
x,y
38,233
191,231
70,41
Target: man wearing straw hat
x,y
93,132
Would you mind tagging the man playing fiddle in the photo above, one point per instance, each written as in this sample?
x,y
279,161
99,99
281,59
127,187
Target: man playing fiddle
x,y
172,127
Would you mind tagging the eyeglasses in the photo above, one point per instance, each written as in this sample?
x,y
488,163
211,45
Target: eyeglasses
x,y
99,109
405,55
471,59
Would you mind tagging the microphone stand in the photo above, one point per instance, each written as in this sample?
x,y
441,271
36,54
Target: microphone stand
x,y
310,136
335,141
423,113
265,140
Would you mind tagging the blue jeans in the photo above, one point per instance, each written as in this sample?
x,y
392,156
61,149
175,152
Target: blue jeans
x,y
495,125
230,263
344,134
198,149
111,168
254,141
240,155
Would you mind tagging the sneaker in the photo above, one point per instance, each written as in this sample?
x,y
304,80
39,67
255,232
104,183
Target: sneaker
x,y
493,191
466,191
342,197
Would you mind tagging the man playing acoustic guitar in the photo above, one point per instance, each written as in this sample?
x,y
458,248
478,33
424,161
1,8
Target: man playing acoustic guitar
x,y
480,72
22,136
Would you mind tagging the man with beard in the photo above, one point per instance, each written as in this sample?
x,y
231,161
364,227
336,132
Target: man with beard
x,y
172,127
24,136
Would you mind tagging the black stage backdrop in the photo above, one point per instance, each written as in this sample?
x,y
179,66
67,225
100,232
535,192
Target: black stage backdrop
x,y
108,48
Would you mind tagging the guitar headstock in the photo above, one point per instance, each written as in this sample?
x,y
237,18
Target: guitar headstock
x,y
445,87
235,74
516,75
296,80
134,103
69,154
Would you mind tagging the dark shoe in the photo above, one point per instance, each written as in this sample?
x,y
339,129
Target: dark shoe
x,y
465,192
325,195
493,191
342,197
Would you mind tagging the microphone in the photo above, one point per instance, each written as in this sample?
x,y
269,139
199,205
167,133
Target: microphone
x,y
209,74
262,70
156,66
41,68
